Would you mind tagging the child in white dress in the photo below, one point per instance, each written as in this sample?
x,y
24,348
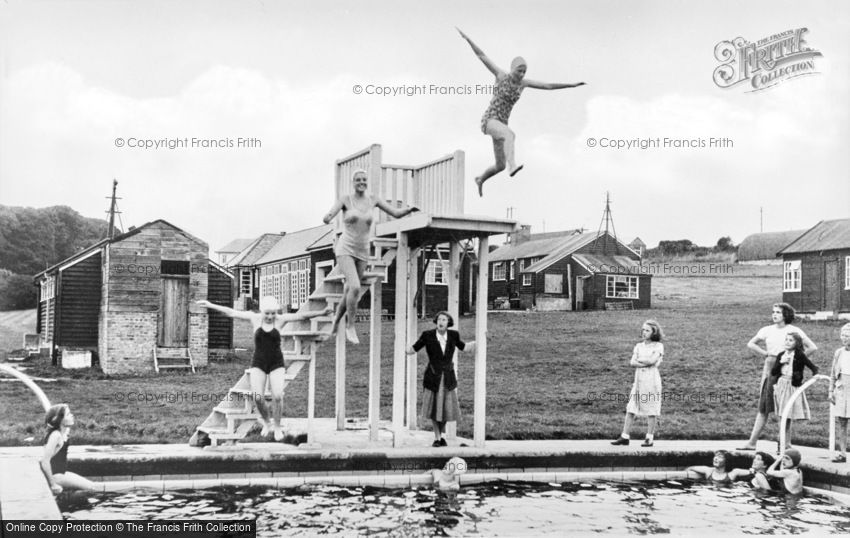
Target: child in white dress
x,y
645,397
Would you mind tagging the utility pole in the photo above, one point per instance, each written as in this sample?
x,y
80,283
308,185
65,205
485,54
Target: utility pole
x,y
113,210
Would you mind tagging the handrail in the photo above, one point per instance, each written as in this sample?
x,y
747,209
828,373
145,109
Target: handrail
x,y
787,409
42,397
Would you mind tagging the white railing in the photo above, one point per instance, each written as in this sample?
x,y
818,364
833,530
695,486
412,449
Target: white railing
x,y
435,187
787,409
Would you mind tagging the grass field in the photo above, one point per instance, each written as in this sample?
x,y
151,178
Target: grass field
x,y
550,375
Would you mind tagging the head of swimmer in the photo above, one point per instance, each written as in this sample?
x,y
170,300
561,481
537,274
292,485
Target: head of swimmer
x,y
360,181
455,466
269,308
518,68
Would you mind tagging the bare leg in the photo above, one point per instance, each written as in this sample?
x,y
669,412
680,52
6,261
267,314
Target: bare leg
x,y
650,428
353,270
69,480
277,378
258,387
758,427
437,430
500,132
788,423
627,425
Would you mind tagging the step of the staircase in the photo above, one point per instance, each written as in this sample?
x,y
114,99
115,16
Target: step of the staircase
x,y
316,335
172,352
366,276
217,430
295,357
236,413
385,242
326,296
169,366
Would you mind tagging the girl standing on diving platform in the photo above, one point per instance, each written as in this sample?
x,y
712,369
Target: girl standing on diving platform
x,y
352,247
506,92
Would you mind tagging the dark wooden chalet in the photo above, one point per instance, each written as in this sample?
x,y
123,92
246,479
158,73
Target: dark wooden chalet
x,y
567,271
816,270
127,297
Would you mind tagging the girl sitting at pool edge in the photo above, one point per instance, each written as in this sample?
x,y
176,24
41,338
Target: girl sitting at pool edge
x,y
54,461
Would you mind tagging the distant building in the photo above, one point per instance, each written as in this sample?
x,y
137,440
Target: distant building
x,y
567,270
638,246
244,266
230,250
816,270
290,266
762,248
124,298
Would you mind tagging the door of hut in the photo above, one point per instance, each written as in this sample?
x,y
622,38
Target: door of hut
x,y
830,283
173,330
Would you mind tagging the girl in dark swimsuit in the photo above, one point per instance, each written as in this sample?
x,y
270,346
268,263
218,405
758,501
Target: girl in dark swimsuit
x,y
506,92
54,461
268,357
717,473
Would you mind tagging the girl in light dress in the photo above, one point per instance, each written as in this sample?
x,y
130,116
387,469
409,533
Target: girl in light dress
x,y
645,397
839,391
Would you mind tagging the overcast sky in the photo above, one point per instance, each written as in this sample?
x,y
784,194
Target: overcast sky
x,y
76,75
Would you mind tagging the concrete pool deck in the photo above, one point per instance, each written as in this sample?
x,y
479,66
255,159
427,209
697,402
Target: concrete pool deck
x,y
347,458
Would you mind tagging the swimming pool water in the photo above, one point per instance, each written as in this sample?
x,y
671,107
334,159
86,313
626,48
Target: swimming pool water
x,y
492,509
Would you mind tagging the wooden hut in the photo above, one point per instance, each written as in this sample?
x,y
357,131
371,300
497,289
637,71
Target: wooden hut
x,y
816,270
131,299
568,270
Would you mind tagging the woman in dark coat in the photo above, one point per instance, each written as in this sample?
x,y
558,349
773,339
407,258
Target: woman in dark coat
x,y
439,399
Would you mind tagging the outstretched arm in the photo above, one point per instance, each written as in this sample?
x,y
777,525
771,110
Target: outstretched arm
x,y
332,213
229,312
549,85
481,56
396,212
282,319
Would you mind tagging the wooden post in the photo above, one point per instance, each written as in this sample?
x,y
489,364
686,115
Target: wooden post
x,y
453,309
311,395
480,403
410,331
340,373
458,161
375,360
399,346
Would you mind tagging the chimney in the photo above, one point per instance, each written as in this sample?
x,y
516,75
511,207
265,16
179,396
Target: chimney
x,y
520,236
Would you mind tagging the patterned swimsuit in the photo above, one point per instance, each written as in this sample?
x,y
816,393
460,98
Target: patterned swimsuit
x,y
506,93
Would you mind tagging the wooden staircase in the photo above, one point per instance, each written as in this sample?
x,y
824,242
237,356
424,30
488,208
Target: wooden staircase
x,y
165,358
235,417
